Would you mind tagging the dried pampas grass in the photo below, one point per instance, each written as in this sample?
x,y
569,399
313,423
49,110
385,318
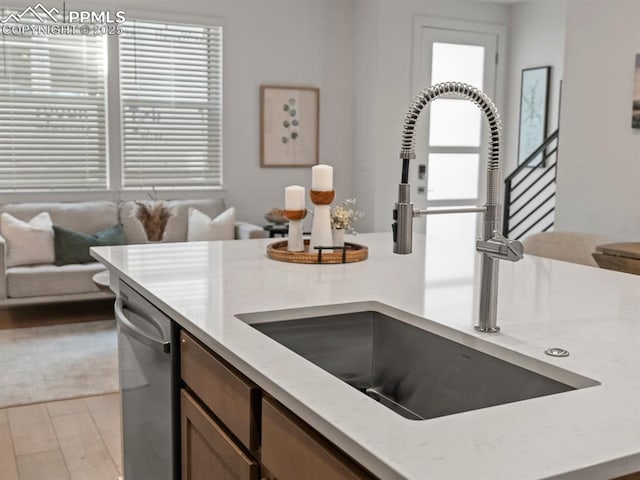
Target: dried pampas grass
x,y
154,217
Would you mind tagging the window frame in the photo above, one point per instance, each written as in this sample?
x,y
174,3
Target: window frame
x,y
115,191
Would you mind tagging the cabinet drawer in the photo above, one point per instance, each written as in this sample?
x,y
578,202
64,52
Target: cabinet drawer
x,y
233,399
293,451
208,453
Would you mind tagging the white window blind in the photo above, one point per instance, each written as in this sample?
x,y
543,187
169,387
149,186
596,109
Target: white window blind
x,y
52,112
171,90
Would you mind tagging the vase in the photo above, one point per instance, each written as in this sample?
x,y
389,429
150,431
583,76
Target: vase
x,y
338,237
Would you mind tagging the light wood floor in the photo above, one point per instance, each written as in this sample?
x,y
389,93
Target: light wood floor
x,y
66,440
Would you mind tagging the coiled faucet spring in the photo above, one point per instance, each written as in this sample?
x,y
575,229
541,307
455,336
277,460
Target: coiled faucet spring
x,y
478,97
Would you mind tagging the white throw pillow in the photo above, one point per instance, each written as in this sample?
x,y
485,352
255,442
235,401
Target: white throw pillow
x,y
29,242
201,227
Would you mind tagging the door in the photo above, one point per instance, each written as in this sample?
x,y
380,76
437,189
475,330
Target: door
x,y
452,149
452,142
452,146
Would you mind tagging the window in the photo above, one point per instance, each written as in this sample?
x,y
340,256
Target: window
x,y
52,112
171,90
53,109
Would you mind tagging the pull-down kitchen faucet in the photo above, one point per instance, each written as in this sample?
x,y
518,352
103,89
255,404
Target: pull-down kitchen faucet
x,y
492,245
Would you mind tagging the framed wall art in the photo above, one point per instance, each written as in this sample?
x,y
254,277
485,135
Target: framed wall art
x,y
635,118
289,126
534,104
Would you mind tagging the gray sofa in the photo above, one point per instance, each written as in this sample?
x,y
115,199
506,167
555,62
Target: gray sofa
x,y
31,284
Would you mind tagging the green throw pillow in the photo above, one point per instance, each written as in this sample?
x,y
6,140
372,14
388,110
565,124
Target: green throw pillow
x,y
73,247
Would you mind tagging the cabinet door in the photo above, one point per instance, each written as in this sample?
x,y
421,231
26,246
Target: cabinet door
x,y
293,451
233,399
208,453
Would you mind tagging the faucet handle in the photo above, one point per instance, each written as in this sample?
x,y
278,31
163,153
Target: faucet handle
x,y
501,248
515,247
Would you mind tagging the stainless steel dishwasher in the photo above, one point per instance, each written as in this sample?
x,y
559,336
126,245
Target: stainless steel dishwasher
x,y
147,381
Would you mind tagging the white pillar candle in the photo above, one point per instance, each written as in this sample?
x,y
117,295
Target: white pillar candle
x,y
294,198
322,178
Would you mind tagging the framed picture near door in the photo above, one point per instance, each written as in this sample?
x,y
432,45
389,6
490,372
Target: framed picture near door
x,y
534,104
289,120
635,119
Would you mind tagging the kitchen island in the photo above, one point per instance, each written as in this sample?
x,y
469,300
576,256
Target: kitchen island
x,y
588,433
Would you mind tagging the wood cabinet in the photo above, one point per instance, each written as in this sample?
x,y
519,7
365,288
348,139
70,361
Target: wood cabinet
x,y
208,453
293,451
221,415
234,399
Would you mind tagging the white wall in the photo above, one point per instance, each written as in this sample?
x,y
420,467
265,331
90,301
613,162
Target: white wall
x,y
536,39
308,43
289,42
383,31
599,169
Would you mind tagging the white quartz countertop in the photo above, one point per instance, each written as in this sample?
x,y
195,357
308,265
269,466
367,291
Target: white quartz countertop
x,y
590,433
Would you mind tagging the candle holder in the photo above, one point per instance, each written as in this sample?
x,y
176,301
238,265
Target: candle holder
x,y
295,243
321,226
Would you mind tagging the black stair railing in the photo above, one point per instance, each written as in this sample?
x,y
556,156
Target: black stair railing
x,y
530,190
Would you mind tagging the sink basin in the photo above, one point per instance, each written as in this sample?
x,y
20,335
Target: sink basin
x,y
415,372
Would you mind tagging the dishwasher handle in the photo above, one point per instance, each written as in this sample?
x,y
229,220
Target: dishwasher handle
x,y
136,332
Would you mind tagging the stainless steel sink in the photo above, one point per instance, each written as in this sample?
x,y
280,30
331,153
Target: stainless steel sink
x,y
416,373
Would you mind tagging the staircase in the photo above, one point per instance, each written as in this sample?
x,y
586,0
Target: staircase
x,y
530,192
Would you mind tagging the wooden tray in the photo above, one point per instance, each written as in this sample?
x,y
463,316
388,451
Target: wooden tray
x,y
351,253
